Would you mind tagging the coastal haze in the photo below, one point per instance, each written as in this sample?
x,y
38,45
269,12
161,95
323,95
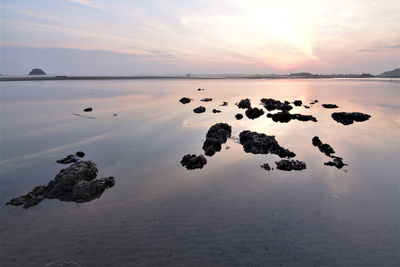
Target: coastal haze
x,y
199,133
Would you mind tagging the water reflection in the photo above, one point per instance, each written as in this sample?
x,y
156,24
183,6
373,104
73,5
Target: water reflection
x,y
225,213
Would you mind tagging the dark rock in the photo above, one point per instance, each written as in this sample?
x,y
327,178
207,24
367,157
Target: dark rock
x,y
88,109
224,103
200,89
266,167
297,103
185,100
290,165
347,118
254,113
216,136
192,162
244,104
259,143
337,162
328,151
314,102
85,191
285,117
80,154
115,114
329,106
68,159
324,148
206,99
306,106
216,111
301,117
65,180
74,183
272,104
200,109
37,72
239,116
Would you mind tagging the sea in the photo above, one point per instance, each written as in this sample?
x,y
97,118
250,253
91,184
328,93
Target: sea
x,y
231,212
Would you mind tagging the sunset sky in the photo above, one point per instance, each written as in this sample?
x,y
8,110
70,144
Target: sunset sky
x,y
199,36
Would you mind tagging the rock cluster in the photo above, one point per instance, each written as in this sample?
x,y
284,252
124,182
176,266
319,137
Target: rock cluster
x,y
328,151
199,109
244,104
77,183
71,158
329,105
285,116
193,161
272,104
254,113
259,143
290,165
347,118
185,100
215,137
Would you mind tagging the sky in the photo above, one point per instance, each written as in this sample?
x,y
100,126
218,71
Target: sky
x,y
121,37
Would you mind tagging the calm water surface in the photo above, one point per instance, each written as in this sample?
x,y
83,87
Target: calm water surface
x,y
231,212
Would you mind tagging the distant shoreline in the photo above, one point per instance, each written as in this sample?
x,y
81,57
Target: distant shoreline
x,y
194,77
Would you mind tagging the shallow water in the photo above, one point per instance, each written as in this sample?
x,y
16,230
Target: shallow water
x,y
231,212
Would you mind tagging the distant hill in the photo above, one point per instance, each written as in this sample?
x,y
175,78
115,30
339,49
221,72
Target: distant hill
x,y
302,74
391,74
37,72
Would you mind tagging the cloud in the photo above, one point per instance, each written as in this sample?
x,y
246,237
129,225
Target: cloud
x,y
380,48
370,50
86,3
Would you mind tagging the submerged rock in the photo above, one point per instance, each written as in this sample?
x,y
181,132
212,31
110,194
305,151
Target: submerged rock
x,y
244,104
239,116
224,103
272,104
298,103
254,113
87,109
329,105
185,100
216,136
290,165
216,111
200,109
207,99
347,118
68,159
75,183
328,151
192,162
259,143
285,116
266,167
